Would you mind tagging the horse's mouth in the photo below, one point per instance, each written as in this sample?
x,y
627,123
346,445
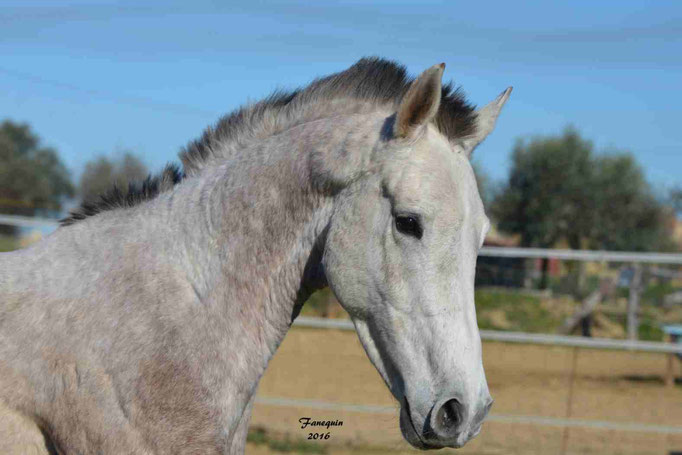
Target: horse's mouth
x,y
409,431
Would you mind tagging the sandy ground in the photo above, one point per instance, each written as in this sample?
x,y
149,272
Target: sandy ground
x,y
330,366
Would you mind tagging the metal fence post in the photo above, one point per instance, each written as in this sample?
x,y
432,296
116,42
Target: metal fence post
x,y
569,399
633,302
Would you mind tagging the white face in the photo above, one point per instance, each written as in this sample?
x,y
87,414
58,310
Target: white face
x,y
400,256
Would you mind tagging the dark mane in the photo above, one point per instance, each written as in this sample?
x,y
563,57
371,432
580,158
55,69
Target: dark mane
x,y
375,80
133,195
371,80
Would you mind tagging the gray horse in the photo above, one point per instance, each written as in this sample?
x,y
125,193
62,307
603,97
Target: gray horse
x,y
144,323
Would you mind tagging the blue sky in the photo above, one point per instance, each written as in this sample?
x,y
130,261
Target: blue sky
x,y
95,77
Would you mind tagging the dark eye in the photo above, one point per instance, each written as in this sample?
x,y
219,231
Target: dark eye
x,y
409,225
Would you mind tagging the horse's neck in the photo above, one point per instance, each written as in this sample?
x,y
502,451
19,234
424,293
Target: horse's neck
x,y
253,228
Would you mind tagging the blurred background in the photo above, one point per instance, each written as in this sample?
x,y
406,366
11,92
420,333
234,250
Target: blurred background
x,y
579,286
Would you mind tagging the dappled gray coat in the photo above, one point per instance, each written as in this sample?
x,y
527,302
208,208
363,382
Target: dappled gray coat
x,y
144,323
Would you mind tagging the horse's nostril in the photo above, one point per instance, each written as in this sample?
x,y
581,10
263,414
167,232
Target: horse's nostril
x,y
450,415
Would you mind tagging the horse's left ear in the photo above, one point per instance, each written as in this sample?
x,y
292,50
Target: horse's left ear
x,y
485,121
420,104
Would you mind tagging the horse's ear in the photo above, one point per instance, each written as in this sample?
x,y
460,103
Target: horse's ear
x,y
420,104
485,121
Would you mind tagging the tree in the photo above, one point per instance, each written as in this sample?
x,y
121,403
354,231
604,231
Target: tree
x,y
559,191
103,173
627,215
547,195
675,199
33,180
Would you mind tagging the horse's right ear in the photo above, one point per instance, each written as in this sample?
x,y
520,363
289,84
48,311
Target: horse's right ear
x,y
420,104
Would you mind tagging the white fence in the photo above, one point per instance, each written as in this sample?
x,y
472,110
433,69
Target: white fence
x,y
525,338
583,255
529,253
574,255
492,335
27,221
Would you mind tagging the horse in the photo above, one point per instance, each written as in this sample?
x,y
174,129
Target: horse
x,y
145,321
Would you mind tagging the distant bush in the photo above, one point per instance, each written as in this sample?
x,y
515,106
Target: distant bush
x,y
7,243
656,292
500,310
649,330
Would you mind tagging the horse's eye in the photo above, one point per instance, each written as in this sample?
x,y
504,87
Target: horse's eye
x,y
409,225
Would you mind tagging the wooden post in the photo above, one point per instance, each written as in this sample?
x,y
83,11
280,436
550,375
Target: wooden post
x,y
633,302
584,313
670,373
670,370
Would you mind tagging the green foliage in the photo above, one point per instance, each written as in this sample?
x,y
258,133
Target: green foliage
x,y
649,330
7,243
572,282
522,312
626,215
655,293
33,180
675,199
316,305
103,173
548,190
558,190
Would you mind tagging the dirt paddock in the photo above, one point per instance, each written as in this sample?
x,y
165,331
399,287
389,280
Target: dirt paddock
x,y
327,368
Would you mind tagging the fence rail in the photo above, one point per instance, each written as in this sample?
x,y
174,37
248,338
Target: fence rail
x,y
493,335
525,338
27,221
510,252
494,417
508,337
582,255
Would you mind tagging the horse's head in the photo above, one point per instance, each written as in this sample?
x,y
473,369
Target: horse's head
x,y
400,255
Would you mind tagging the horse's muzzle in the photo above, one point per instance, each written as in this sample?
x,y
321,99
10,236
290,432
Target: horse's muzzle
x,y
445,425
